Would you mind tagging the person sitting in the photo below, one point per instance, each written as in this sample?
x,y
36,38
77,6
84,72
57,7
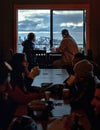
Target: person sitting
x,y
95,118
20,65
68,47
82,86
23,122
19,76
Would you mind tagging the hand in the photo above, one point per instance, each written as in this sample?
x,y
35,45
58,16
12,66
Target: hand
x,y
35,72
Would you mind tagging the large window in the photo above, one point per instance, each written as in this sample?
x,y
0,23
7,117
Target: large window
x,y
47,24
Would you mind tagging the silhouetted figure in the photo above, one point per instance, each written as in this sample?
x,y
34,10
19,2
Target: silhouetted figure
x,y
68,47
28,49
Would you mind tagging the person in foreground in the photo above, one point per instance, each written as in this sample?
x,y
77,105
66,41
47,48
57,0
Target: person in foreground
x,y
96,104
82,86
23,123
68,47
21,74
20,81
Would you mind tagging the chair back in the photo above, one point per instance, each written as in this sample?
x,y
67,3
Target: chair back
x,y
52,56
41,59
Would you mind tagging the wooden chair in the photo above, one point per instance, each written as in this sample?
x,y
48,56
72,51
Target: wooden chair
x,y
52,57
41,58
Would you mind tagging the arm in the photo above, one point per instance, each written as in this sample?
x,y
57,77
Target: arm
x,y
20,97
62,46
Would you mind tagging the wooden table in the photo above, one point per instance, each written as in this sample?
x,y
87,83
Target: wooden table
x,y
55,76
41,115
61,109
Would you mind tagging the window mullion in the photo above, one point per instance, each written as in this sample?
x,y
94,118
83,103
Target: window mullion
x,y
84,30
51,28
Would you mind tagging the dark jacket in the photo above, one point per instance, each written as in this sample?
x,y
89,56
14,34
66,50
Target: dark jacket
x,y
81,94
28,49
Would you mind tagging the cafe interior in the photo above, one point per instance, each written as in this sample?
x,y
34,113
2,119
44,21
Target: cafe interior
x,y
52,110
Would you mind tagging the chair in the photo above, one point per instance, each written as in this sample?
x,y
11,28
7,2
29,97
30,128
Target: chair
x,y
41,58
52,57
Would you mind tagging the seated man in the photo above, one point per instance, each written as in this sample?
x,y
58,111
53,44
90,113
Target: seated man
x,y
68,47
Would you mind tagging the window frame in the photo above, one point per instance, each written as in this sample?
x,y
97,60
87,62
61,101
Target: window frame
x,y
54,7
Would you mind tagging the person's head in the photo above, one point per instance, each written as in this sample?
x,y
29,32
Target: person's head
x,y
77,57
19,61
31,36
83,69
23,123
96,99
64,33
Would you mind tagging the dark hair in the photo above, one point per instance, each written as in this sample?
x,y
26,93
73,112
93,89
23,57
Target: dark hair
x,y
23,123
30,36
16,61
18,69
65,32
79,55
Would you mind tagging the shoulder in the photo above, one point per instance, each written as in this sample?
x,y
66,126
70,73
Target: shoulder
x,y
69,39
26,42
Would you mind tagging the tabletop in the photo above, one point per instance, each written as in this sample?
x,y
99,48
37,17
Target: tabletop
x,y
55,76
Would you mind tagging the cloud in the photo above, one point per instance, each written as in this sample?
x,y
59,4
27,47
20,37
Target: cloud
x,y
68,12
30,14
71,24
39,20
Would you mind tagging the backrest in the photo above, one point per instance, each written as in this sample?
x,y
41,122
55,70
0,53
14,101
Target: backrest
x,y
41,58
52,56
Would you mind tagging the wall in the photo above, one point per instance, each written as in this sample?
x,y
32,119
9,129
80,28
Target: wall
x,y
7,23
95,29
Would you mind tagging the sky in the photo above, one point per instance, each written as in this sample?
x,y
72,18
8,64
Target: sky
x,y
39,20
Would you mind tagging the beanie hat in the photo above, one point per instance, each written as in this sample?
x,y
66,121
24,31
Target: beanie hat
x,y
83,68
